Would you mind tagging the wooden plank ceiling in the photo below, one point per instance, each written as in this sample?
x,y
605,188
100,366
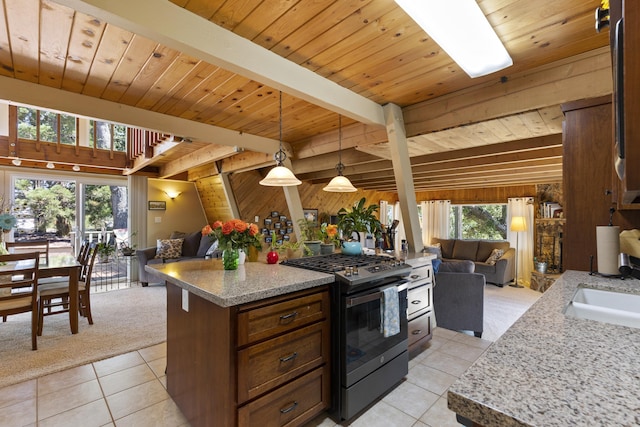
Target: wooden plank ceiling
x,y
343,57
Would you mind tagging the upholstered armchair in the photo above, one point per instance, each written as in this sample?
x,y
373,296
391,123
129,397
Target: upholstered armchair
x,y
458,297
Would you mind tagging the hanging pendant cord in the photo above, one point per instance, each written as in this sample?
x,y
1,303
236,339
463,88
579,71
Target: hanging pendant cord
x,y
280,156
340,166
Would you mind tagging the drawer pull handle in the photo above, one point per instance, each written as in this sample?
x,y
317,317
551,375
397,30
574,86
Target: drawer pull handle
x,y
417,332
289,316
416,301
288,358
290,408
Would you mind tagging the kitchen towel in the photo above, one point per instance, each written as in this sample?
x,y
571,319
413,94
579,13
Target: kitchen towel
x,y
608,249
390,312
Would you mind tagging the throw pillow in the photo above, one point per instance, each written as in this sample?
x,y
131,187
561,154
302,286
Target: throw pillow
x,y
495,256
169,248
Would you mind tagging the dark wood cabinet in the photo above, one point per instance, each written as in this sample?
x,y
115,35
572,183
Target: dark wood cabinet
x,y
628,61
587,178
264,363
588,184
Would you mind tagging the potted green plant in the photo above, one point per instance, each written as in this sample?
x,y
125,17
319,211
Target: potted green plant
x,y
310,235
105,250
360,219
294,249
329,238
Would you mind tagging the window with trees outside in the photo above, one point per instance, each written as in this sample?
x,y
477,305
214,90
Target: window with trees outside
x,y
47,126
67,211
105,133
483,222
44,125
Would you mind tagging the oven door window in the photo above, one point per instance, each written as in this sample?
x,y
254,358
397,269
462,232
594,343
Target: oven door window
x,y
365,342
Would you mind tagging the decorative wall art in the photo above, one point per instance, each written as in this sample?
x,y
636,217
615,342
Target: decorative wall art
x,y
156,205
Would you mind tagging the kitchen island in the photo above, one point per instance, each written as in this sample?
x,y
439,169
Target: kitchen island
x,y
549,369
247,346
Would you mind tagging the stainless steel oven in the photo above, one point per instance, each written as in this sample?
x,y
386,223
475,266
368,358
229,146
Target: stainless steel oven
x,y
364,363
372,363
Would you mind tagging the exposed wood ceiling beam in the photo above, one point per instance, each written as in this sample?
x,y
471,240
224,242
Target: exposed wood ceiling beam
x,y
582,76
186,32
195,159
21,92
484,182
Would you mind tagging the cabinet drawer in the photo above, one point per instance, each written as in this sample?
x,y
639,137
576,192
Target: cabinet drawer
x,y
264,366
419,328
418,299
264,322
293,404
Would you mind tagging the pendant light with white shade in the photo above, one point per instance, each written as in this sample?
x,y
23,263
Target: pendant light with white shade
x,y
340,183
280,176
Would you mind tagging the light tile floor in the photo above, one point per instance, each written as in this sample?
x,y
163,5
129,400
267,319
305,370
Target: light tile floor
x,y
130,390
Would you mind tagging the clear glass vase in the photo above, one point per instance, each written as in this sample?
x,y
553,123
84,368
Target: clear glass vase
x,y
230,258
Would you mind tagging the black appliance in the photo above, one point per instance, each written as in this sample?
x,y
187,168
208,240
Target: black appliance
x,y
365,364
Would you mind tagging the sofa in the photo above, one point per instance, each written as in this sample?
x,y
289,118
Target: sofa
x,y
458,297
497,267
178,247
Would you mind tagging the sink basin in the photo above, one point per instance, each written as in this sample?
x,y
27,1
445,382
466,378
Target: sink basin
x,y
613,307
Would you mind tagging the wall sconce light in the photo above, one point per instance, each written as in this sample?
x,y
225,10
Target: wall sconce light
x,y
16,162
50,165
173,194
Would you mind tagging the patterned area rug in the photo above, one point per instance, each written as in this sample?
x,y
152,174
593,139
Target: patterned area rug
x,y
123,320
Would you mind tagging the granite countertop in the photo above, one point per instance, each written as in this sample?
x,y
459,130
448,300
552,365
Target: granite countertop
x,y
552,370
252,281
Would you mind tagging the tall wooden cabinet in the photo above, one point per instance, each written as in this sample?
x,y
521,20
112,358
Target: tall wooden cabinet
x,y
587,165
630,65
589,181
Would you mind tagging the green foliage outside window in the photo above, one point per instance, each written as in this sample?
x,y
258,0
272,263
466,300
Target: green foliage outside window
x,y
484,222
105,133
28,126
98,208
51,204
28,129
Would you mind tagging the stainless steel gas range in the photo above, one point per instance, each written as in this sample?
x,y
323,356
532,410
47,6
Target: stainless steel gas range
x,y
366,362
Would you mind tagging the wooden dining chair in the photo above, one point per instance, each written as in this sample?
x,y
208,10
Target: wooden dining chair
x,y
54,296
84,250
19,287
40,245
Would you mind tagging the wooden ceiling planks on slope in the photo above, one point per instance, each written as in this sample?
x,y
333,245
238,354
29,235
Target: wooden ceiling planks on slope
x,y
367,46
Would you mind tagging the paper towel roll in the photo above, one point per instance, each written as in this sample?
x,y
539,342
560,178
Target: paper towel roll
x,y
608,248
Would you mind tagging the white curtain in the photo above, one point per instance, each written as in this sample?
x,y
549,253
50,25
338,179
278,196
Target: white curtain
x,y
383,213
522,240
435,220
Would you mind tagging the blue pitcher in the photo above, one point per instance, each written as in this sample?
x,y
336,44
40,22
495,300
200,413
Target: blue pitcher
x,y
351,248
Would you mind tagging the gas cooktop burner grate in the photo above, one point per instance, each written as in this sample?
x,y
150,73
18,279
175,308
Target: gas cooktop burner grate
x,y
334,263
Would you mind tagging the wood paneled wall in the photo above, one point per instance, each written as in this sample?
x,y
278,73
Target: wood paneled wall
x,y
254,199
478,195
213,198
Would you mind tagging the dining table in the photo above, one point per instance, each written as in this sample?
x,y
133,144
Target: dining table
x,y
63,266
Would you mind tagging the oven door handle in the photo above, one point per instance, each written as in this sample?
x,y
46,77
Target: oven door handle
x,y
352,302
